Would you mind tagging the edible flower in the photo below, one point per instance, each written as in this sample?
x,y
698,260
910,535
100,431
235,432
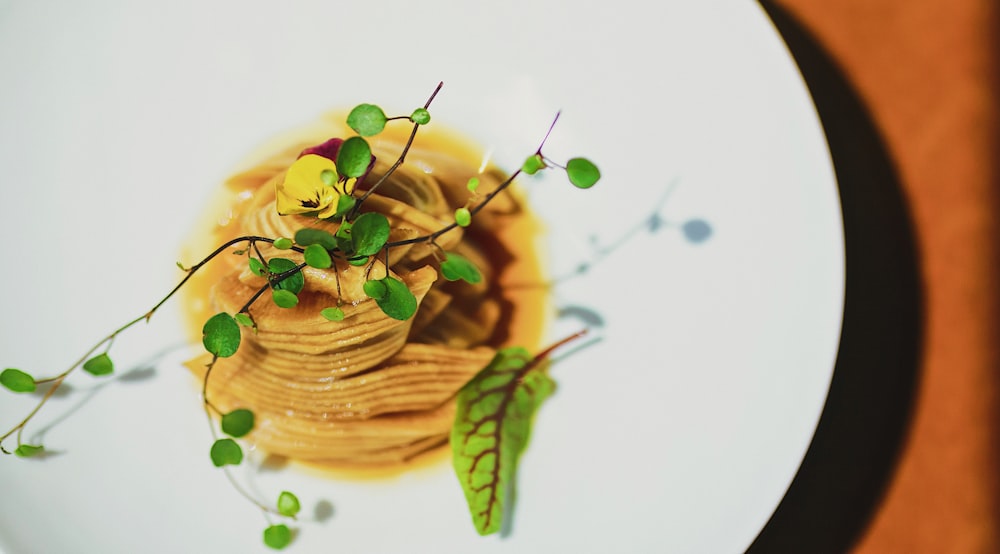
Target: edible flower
x,y
312,184
309,186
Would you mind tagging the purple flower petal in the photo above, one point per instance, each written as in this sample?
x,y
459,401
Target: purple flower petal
x,y
328,149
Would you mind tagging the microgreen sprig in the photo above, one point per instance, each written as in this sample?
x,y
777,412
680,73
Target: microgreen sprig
x,y
360,240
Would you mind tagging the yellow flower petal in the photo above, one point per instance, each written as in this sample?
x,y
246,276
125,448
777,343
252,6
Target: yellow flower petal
x,y
349,186
302,190
330,209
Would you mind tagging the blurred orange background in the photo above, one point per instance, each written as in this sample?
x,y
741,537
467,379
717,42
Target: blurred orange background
x,y
927,71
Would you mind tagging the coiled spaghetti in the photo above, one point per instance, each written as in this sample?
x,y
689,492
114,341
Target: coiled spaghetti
x,y
371,389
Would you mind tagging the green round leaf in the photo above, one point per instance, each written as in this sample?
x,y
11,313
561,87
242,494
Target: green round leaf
x,y
99,365
397,301
472,184
226,452
308,235
354,157
244,320
278,536
366,120
288,504
420,116
317,256
358,262
294,282
375,289
344,205
533,164
582,172
221,335
28,450
343,237
17,380
463,217
237,423
455,267
369,233
329,177
333,314
282,243
257,267
284,298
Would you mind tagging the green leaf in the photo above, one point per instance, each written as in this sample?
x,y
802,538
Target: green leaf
x,y
288,504
284,298
333,314
221,335
329,177
244,320
344,205
582,172
256,267
17,380
375,289
237,423
343,238
369,233
100,364
358,262
28,450
533,164
472,184
278,536
354,157
463,217
226,452
282,243
294,282
420,116
309,235
492,428
455,267
366,120
317,256
393,296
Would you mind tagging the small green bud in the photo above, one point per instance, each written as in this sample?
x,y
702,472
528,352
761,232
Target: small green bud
x,y
420,116
533,164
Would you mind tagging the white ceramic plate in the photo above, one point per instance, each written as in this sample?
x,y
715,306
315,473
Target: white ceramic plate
x,y
678,431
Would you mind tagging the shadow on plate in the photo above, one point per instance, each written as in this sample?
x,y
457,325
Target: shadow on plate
x,y
139,373
865,420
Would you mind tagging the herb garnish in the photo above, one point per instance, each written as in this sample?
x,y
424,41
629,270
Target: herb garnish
x,y
494,409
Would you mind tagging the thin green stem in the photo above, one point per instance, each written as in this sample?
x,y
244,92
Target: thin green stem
x,y
204,388
472,211
225,469
272,281
399,161
547,133
107,341
336,278
57,381
478,207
